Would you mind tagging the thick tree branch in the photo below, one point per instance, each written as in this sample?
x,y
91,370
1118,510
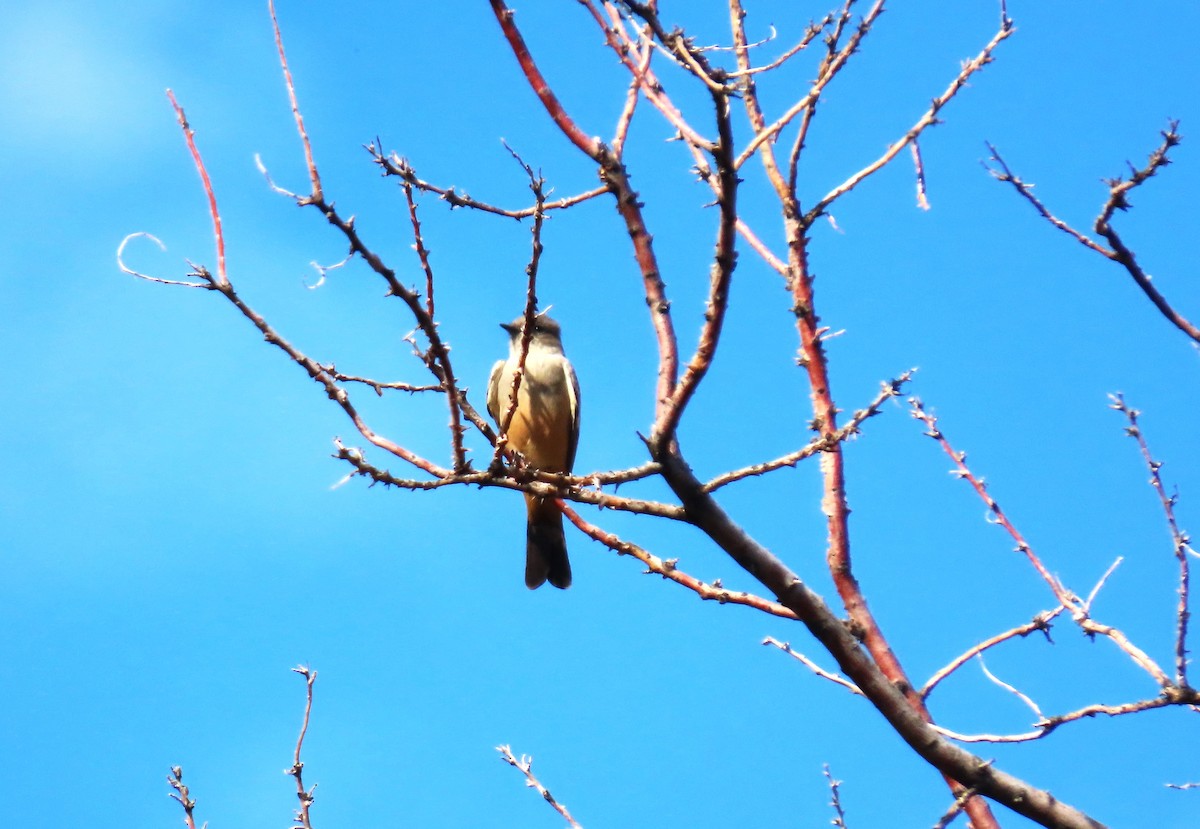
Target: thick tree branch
x,y
837,638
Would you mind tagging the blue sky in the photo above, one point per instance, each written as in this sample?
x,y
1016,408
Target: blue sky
x,y
172,540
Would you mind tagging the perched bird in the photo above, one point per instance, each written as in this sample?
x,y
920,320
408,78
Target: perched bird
x,y
545,430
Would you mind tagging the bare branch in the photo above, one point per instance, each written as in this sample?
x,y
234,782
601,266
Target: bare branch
x,y
182,796
538,83
668,569
378,385
831,70
218,234
323,270
523,479
305,796
1118,199
616,179
638,68
1011,689
1002,172
1080,613
927,120
813,666
761,249
623,44
419,247
1039,622
1087,604
121,264
1046,726
810,34
1181,541
525,766
823,443
835,800
313,176
394,165
1064,596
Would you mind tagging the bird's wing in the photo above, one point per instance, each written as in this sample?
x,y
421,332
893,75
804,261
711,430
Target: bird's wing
x,y
493,391
573,392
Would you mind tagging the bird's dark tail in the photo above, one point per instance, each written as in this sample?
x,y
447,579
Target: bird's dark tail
x,y
545,545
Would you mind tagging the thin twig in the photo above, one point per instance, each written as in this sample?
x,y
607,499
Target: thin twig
x,y
1048,725
304,795
1064,596
525,766
1039,622
813,666
218,234
1118,199
394,165
378,385
930,118
823,443
536,184
323,270
828,64
835,800
639,68
313,176
535,481
810,34
1079,610
182,796
538,83
1181,541
1010,688
1112,568
121,263
770,132
419,247
1002,172
669,570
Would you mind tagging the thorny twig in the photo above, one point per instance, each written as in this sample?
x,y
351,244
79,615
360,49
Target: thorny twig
x,y
536,481
537,185
669,569
930,118
1172,692
394,165
305,796
1118,199
1079,610
835,800
182,796
525,766
1181,541
853,426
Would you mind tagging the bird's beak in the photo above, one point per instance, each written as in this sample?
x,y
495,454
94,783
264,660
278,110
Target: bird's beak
x,y
510,328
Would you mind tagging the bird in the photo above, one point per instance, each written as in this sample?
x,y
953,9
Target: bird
x,y
545,430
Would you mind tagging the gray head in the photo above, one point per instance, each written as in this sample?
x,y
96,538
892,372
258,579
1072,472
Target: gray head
x,y
546,332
